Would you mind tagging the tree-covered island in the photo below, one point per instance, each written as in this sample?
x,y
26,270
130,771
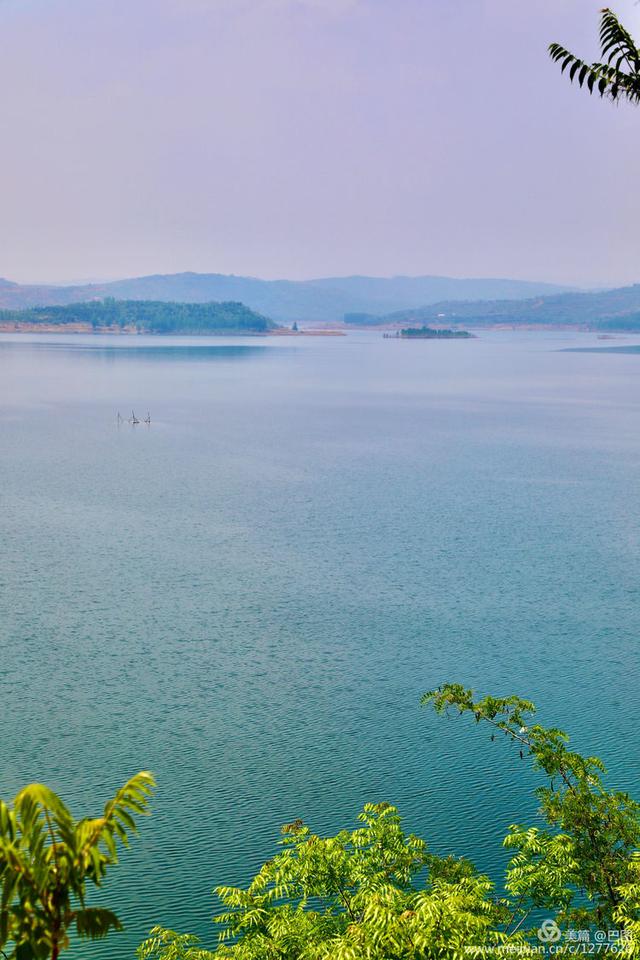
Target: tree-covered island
x,y
430,333
140,316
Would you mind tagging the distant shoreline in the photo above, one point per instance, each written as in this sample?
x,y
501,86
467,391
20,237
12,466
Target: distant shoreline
x,y
87,328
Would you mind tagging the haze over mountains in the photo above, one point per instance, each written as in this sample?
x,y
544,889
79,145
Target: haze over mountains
x,y
617,309
361,301
322,300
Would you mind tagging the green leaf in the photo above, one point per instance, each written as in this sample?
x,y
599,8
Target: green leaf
x,y
94,923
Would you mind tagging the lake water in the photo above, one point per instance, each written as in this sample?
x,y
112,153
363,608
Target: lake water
x,y
249,596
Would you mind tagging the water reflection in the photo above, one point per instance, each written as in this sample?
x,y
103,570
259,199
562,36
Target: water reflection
x,y
145,351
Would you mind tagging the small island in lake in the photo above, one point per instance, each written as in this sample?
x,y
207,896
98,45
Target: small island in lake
x,y
430,333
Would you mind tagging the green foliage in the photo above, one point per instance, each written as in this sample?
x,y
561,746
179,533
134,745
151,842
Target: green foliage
x,y
168,945
585,867
629,323
46,860
378,894
374,892
617,75
147,316
431,333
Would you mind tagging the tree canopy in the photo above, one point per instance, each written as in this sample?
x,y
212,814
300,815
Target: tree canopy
x,y
617,74
46,860
377,893
146,316
374,892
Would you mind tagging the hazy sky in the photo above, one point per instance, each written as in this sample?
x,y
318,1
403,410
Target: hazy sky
x,y
301,138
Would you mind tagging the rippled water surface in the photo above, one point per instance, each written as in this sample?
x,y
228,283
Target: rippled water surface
x,y
249,596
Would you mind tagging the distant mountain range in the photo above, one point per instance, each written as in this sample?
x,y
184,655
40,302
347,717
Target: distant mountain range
x,y
617,309
325,300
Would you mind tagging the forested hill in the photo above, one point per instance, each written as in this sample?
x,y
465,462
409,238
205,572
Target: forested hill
x,y
604,310
324,300
145,316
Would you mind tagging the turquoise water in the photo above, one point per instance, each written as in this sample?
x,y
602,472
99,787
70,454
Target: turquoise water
x,y
249,596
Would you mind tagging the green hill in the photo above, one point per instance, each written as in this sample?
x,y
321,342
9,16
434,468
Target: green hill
x,y
617,309
147,316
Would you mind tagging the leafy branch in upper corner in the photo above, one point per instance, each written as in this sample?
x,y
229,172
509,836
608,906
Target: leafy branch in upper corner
x,y
586,866
617,75
46,859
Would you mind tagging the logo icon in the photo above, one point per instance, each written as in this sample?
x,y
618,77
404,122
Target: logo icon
x,y
549,932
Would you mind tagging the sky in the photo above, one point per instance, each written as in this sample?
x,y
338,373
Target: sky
x,y
307,138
